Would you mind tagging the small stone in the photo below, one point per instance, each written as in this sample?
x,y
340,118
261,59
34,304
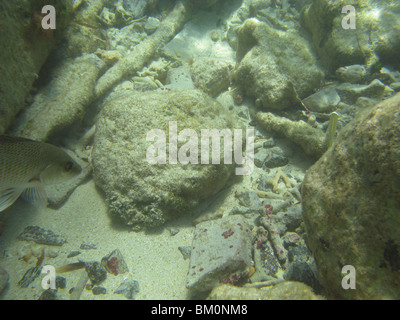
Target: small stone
x,y
115,263
269,143
88,246
186,251
95,271
36,251
290,239
215,35
395,86
109,57
299,253
173,231
61,282
276,160
364,102
49,294
353,74
29,276
260,157
99,290
248,199
73,254
128,288
151,25
52,253
41,236
325,100
349,93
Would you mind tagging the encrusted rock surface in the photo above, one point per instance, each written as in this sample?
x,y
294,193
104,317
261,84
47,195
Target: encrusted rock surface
x,y
64,101
211,75
375,38
142,193
25,49
288,290
276,67
351,206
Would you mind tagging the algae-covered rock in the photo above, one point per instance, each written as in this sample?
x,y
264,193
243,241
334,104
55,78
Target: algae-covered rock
x,y
26,46
140,55
288,290
84,35
311,140
351,206
211,75
375,38
145,194
276,67
63,101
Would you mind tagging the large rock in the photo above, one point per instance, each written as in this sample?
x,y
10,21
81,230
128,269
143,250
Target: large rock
x,y
276,67
26,46
143,194
63,101
376,37
351,206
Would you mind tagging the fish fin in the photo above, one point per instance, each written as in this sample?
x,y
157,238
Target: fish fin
x,y
8,195
35,193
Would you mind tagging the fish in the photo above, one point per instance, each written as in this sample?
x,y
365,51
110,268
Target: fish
x,y
27,165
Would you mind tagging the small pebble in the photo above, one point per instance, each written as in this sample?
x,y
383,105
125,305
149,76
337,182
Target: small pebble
x,y
29,276
49,294
61,282
128,288
275,161
36,251
99,290
95,271
88,246
115,263
73,254
52,253
185,251
173,231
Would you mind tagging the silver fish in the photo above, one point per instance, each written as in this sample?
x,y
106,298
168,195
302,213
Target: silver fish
x,y
25,165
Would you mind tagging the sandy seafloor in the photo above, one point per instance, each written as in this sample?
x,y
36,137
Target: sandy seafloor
x,y
154,260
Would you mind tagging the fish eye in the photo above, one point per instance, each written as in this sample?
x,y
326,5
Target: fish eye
x,y
68,166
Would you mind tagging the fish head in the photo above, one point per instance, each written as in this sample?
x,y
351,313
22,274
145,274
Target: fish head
x,y
60,171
